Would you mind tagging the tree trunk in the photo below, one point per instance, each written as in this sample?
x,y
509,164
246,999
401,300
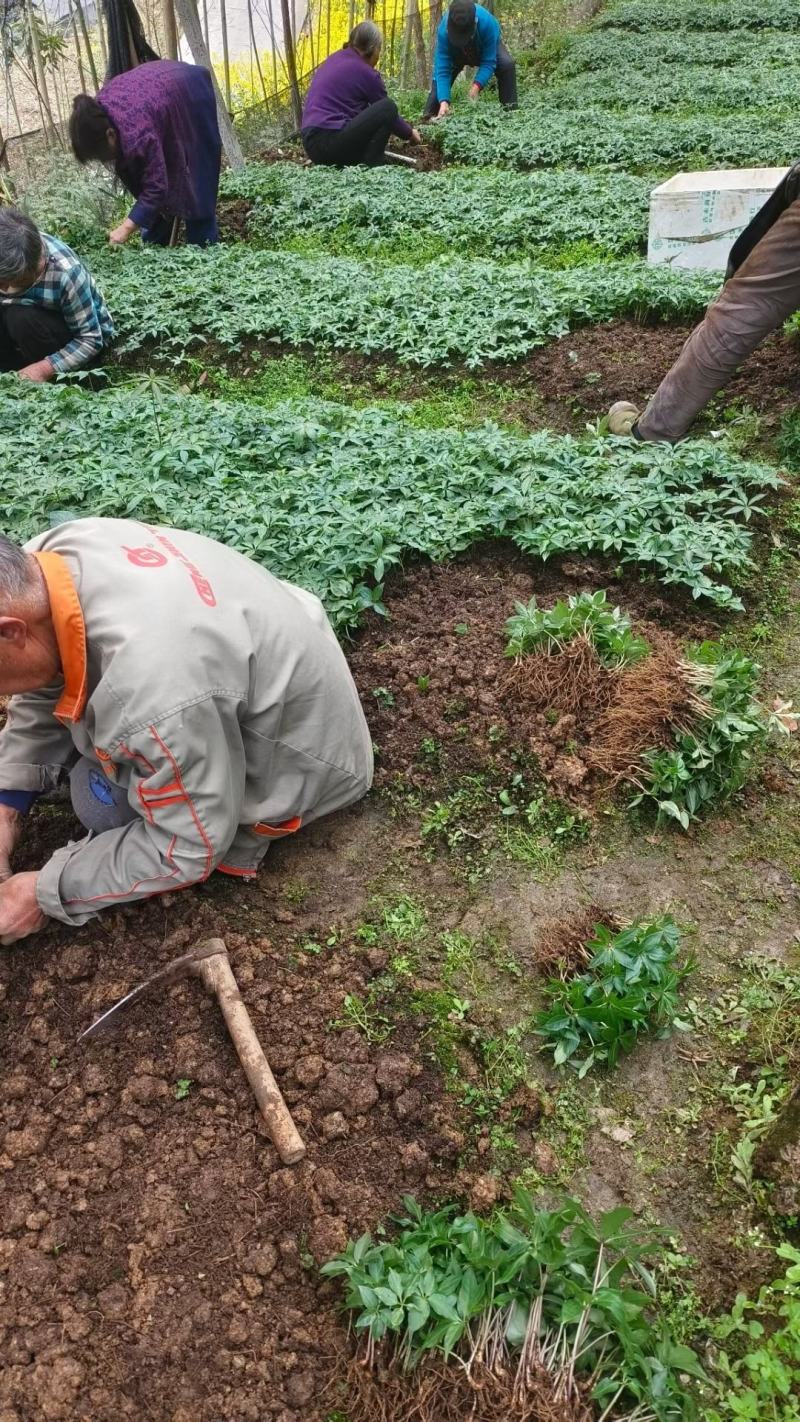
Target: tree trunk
x,y
4,163
291,68
187,14
170,30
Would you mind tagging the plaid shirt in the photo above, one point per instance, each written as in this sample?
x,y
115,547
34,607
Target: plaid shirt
x,y
67,287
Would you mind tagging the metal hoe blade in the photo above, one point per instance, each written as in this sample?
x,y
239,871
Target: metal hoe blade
x,y
168,974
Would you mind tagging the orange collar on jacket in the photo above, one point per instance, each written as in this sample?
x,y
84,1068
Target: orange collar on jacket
x,y
65,610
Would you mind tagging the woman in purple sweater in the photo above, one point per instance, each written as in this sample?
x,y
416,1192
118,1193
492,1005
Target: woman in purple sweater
x,y
348,116
157,124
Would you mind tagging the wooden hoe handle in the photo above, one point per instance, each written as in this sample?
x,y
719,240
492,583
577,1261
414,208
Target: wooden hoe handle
x,y
216,974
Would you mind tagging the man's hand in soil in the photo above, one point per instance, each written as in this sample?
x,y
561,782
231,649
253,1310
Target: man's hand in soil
x,y
19,908
416,136
444,109
39,372
474,92
10,831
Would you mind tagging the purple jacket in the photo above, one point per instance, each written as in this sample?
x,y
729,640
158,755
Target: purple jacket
x,y
343,86
165,115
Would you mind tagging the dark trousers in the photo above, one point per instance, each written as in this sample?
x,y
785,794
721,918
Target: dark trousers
x,y
200,231
362,140
28,334
506,73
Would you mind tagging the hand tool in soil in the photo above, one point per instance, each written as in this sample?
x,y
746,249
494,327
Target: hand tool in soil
x,y
209,961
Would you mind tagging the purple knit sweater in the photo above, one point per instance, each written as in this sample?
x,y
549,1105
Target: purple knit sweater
x,y
342,87
166,117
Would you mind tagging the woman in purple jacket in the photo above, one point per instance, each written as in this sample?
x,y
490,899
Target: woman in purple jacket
x,y
348,116
157,124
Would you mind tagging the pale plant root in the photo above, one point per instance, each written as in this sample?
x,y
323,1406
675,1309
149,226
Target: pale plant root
x,y
441,1391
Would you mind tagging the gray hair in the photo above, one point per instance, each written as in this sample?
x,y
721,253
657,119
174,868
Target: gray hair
x,y
20,245
16,573
366,39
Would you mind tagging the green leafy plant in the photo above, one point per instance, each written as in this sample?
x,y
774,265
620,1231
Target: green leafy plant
x,y
630,987
703,15
182,1088
526,1290
710,758
588,614
761,1378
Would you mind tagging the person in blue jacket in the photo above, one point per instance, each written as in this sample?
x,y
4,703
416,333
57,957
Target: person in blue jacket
x,y
470,34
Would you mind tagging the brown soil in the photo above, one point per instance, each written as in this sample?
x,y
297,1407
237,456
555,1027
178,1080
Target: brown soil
x,y
443,701
155,1259
562,386
622,360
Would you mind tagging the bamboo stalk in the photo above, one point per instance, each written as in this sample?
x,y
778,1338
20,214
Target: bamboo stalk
x,y
226,58
40,82
255,49
101,34
81,18
288,41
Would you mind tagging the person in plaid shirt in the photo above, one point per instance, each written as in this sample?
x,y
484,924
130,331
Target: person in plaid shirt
x,y
53,318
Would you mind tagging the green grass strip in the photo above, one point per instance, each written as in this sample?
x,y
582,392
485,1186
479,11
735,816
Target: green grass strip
x,y
451,310
332,498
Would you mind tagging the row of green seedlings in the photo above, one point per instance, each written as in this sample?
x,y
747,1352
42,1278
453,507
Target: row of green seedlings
x,y
472,311
335,498
563,217
539,1310
651,51
649,15
708,749
539,136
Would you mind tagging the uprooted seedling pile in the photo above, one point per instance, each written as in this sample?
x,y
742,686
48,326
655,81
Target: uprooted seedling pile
x,y
574,692
533,1314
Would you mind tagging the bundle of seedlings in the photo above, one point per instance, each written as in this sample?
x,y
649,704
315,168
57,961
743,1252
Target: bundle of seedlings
x,y
531,1314
682,729
630,987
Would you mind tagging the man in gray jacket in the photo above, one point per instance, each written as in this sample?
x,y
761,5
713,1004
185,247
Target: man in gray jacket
x,y
200,706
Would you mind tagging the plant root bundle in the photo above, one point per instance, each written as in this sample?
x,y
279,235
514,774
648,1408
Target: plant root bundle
x,y
572,680
443,1391
653,698
561,945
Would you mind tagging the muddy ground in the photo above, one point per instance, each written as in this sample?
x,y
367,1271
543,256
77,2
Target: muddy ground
x,y
155,1259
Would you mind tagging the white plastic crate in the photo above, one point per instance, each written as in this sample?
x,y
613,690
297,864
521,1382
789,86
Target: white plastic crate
x,y
695,218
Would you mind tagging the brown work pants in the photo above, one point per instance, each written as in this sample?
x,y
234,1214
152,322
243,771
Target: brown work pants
x,y
756,300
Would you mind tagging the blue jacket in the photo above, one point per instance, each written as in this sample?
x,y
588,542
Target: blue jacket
x,y
485,41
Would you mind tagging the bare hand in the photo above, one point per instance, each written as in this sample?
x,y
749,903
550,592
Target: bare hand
x,y
10,831
40,372
474,91
20,914
416,136
120,234
444,109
